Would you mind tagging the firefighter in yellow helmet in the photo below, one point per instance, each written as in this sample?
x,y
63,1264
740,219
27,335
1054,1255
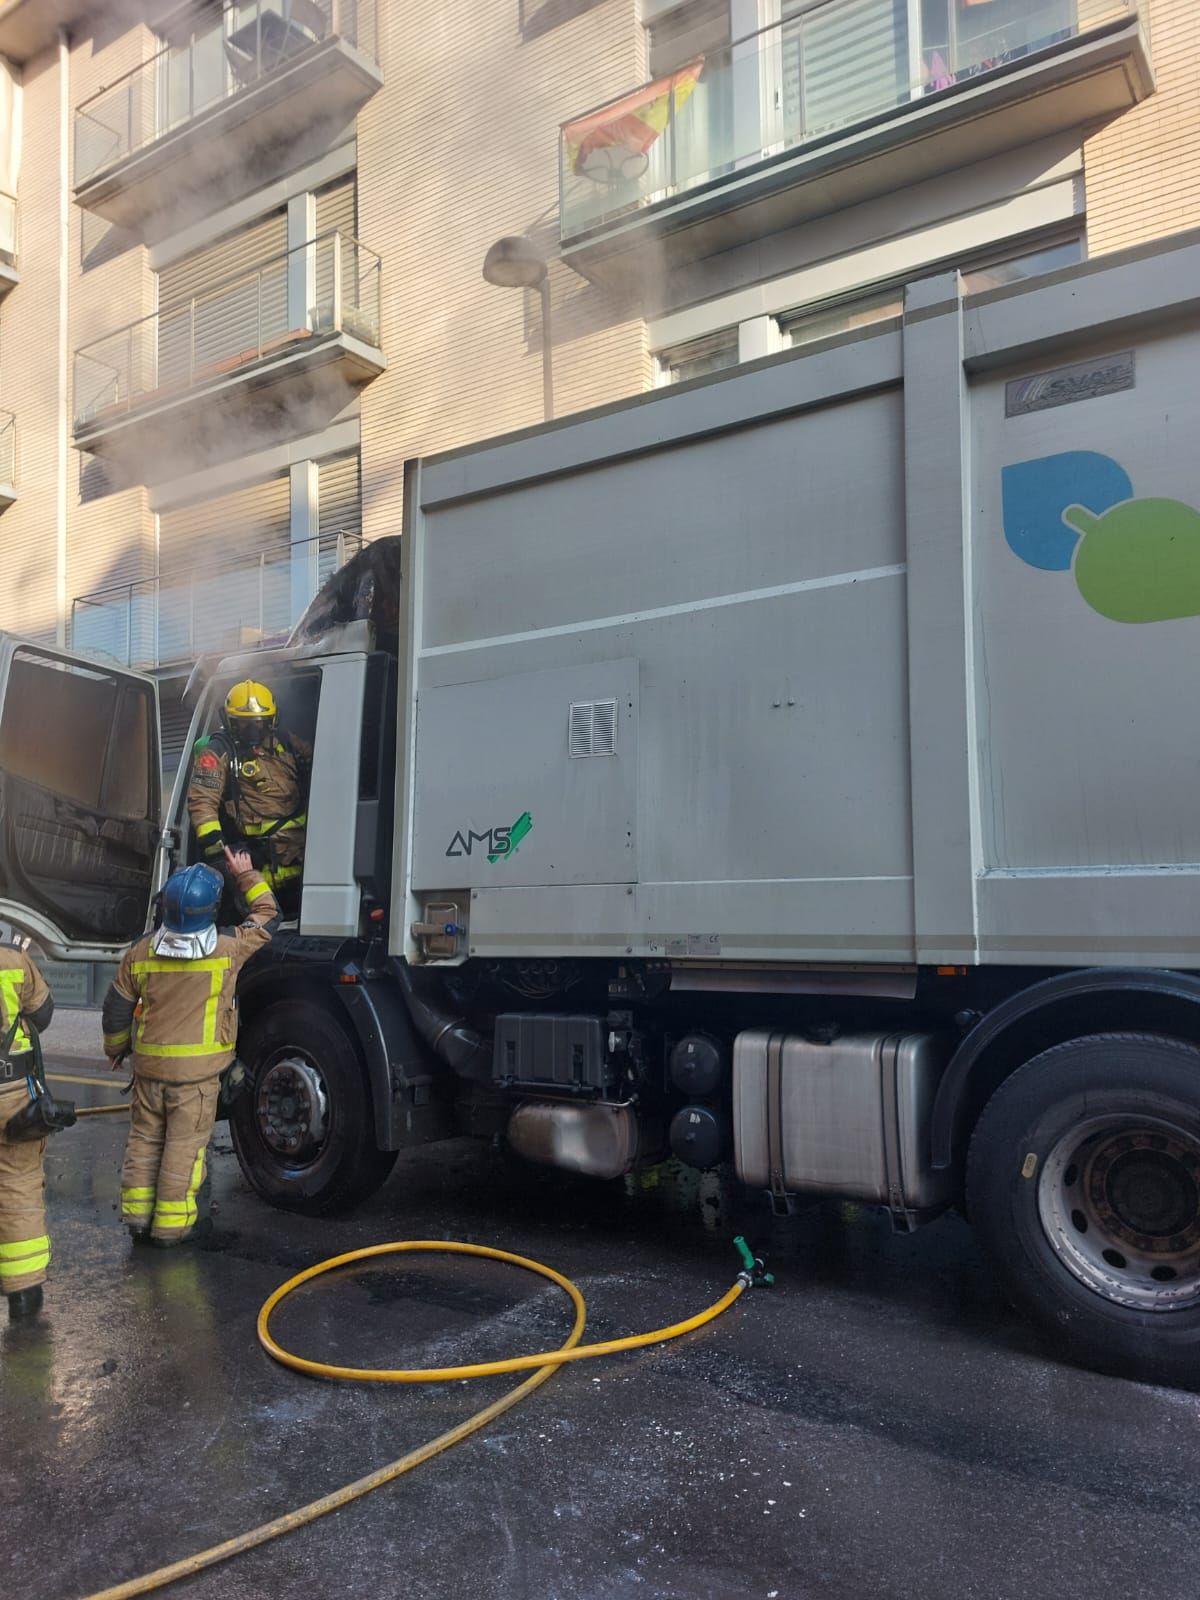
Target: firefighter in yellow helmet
x,y
24,1240
250,787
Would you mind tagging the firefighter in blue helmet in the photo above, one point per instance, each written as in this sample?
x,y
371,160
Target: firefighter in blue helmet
x,y
183,975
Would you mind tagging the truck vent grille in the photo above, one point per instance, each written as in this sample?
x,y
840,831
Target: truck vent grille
x,y
593,728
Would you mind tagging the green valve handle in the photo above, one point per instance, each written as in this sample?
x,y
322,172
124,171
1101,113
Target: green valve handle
x,y
751,1264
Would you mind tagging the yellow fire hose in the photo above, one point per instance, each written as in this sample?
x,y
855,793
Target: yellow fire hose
x,y
547,1363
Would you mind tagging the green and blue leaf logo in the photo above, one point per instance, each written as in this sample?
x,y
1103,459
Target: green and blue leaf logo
x,y
1134,559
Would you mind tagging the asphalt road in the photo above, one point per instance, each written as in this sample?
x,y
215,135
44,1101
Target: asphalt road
x,y
876,1425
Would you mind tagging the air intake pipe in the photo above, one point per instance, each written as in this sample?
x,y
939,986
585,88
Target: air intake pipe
x,y
451,1038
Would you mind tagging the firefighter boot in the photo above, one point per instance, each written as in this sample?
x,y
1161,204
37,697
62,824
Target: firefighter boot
x,y
24,1303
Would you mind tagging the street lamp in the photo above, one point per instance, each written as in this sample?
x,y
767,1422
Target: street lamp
x,y
515,262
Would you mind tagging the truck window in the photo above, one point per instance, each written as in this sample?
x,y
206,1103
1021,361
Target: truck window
x,y
57,729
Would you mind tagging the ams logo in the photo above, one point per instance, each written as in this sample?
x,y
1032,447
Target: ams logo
x,y
497,843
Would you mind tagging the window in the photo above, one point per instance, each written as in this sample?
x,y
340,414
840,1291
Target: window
x,y
841,63
699,137
1048,259
699,357
859,311
82,735
841,318
961,38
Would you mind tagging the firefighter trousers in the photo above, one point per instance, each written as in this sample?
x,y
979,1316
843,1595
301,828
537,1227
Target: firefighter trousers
x,y
169,1129
24,1242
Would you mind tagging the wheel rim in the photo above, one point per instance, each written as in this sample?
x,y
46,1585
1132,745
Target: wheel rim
x,y
291,1109
1119,1200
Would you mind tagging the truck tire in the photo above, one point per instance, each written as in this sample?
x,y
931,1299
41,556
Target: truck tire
x,y
303,1129
1083,1183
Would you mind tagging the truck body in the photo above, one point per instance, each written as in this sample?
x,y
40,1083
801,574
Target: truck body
x,y
796,768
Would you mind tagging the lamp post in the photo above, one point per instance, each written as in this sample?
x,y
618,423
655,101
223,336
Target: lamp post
x,y
515,262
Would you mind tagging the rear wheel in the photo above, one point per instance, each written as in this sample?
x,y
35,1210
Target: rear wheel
x,y
303,1129
1083,1182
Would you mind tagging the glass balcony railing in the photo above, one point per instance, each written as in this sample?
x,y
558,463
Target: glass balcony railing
x,y
282,306
8,449
240,45
256,600
831,66
8,230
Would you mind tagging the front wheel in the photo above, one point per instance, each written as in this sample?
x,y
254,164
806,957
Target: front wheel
x,y
302,1128
1083,1182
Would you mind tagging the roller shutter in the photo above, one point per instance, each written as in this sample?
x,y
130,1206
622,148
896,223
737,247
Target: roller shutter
x,y
841,63
225,571
224,304
340,509
337,208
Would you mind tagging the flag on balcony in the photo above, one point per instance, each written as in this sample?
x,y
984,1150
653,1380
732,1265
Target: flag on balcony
x,y
612,145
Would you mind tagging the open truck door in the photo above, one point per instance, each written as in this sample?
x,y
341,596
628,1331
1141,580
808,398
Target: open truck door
x,y
80,799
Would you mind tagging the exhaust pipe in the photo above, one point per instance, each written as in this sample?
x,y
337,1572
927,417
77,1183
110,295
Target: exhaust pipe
x,y
451,1038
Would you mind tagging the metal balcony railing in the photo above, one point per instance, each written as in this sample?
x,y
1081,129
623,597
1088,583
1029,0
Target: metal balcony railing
x,y
244,43
8,448
835,64
8,229
175,618
282,306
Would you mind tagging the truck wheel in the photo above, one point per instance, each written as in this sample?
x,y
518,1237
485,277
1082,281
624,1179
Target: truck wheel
x,y
303,1129
1083,1182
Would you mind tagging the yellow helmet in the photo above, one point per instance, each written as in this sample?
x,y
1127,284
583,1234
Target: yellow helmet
x,y
250,699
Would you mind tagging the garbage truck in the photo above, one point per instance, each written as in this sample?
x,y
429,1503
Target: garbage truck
x,y
796,770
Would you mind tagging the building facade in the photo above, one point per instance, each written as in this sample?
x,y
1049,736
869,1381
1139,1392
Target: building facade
x,y
242,244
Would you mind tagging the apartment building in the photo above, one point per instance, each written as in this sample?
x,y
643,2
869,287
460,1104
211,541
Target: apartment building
x,y
242,244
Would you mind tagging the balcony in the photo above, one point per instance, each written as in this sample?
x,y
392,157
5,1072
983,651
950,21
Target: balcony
x,y
830,108
267,75
246,604
270,353
8,459
9,276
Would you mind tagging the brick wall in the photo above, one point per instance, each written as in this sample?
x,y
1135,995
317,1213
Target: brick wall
x,y
457,149
1143,170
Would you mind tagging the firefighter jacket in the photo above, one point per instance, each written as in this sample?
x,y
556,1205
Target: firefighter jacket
x,y
23,993
187,1030
259,798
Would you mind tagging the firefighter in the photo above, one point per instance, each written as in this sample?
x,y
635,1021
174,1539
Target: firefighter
x,y
249,788
24,1242
184,975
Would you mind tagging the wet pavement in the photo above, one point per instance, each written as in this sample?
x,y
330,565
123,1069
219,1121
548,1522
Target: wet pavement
x,y
877,1424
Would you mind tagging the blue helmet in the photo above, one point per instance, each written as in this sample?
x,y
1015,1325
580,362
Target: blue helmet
x,y
190,899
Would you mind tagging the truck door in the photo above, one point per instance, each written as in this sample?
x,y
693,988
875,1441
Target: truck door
x,y
79,799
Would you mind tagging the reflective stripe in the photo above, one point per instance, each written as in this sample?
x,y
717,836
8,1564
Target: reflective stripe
x,y
11,979
114,1042
256,892
206,828
254,830
218,1047
137,1202
18,1269
23,1247
274,875
216,967
172,1214
26,1255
